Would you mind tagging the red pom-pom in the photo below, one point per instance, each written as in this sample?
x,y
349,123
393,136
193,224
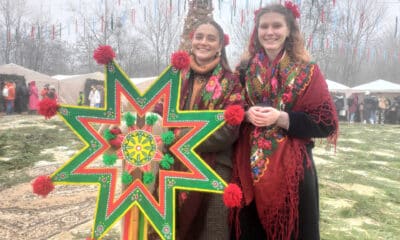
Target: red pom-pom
x,y
42,185
293,8
103,54
48,107
234,115
232,195
117,142
115,130
180,60
226,39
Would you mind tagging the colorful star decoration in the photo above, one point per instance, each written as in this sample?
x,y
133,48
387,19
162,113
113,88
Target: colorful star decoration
x,y
138,149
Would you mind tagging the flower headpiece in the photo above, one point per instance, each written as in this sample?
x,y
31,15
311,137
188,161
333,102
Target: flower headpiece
x,y
289,5
226,40
293,8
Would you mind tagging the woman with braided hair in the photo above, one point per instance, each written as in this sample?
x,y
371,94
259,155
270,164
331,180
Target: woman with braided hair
x,y
288,104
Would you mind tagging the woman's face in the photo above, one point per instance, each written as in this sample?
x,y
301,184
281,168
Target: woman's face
x,y
272,33
205,44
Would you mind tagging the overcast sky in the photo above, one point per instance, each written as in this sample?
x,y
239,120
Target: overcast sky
x,y
61,11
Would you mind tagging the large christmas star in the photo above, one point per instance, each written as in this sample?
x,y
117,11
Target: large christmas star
x,y
81,168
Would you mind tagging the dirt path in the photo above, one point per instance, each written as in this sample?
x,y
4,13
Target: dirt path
x,y
65,212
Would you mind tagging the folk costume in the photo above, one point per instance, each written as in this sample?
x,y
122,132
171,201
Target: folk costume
x,y
273,166
208,87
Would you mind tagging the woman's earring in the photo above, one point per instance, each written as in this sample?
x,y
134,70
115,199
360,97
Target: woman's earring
x,y
218,54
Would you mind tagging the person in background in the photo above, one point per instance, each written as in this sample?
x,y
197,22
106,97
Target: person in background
x,y
288,105
33,98
383,106
10,98
21,94
52,94
353,107
94,97
45,91
81,98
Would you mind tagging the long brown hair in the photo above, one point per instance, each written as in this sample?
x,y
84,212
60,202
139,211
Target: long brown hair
x,y
294,43
221,37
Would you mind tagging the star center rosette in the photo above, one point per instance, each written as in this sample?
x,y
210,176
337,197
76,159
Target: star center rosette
x,y
131,151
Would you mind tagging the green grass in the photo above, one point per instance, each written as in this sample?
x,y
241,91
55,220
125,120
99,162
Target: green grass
x,y
22,147
360,183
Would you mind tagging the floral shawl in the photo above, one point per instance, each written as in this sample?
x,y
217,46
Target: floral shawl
x,y
268,163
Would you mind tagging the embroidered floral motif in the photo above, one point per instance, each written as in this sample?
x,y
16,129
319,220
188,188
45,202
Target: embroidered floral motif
x,y
217,86
279,90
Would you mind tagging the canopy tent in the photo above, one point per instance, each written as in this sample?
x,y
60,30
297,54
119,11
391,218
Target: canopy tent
x,y
336,87
29,75
378,86
70,86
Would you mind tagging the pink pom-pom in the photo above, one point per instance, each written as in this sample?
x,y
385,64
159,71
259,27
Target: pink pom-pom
x,y
232,195
48,107
180,60
234,115
226,40
103,54
42,185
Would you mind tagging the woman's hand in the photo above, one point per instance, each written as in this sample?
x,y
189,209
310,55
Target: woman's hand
x,y
267,116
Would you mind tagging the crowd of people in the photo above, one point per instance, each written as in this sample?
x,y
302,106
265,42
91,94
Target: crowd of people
x,y
368,108
17,98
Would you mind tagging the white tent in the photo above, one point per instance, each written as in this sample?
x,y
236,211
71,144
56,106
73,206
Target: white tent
x,y
29,75
335,87
378,86
70,86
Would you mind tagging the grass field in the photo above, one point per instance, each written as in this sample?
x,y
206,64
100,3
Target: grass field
x,y
359,182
